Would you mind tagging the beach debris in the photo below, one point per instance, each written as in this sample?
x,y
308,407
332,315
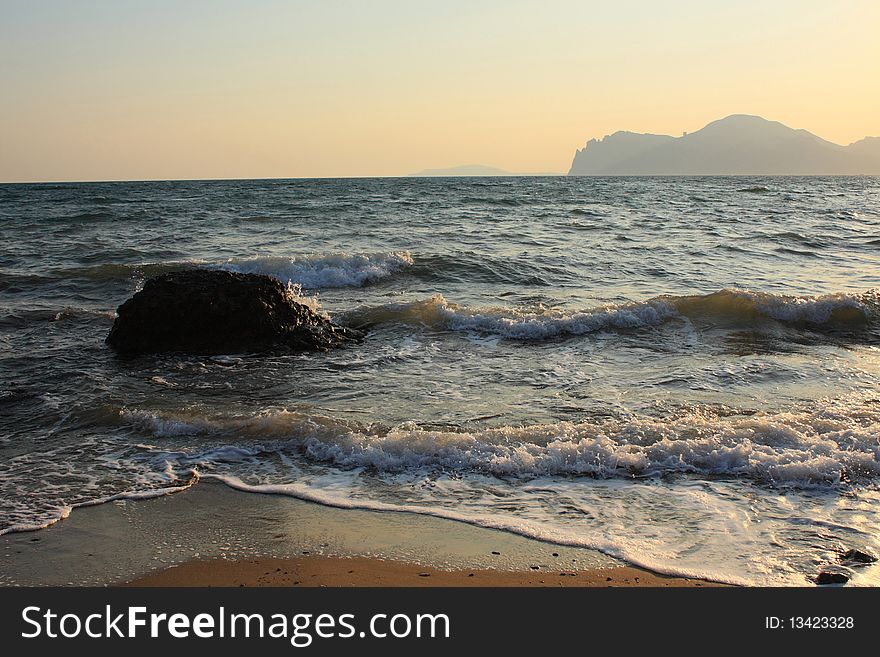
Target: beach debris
x,y
831,577
215,312
854,557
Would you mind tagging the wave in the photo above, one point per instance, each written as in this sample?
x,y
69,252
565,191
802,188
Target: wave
x,y
359,269
796,252
324,271
307,271
338,270
616,547
832,312
838,310
830,444
472,268
65,511
438,313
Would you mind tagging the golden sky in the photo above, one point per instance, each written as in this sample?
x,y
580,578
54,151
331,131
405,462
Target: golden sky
x,y
164,89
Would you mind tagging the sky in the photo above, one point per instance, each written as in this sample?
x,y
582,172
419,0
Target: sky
x,y
160,89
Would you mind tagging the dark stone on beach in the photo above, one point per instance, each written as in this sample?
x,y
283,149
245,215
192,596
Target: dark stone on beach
x,y
831,577
212,312
853,557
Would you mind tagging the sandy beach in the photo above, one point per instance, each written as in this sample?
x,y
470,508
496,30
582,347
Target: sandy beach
x,y
313,571
212,535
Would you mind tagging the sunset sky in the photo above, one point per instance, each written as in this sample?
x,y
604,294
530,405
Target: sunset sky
x,y
164,89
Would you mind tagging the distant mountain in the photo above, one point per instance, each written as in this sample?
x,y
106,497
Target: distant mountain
x,y
464,170
737,145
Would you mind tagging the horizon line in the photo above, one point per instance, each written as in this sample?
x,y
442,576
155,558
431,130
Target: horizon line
x,y
388,177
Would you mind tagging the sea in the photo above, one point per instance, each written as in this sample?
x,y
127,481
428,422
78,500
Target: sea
x,y
678,372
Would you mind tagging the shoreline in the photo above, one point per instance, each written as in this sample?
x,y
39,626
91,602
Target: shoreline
x,y
310,571
213,535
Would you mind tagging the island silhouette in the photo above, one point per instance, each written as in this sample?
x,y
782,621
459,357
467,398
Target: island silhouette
x,y
739,144
465,170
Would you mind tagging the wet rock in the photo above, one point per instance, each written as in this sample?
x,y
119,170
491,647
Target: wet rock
x,y
209,312
831,577
853,557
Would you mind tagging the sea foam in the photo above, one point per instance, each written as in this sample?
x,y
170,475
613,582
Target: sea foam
x,y
832,444
324,271
314,271
835,311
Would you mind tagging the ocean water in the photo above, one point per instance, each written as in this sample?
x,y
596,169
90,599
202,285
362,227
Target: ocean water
x,y
681,372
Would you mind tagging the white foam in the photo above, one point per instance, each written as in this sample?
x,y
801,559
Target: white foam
x,y
817,310
65,511
62,513
619,548
828,445
324,271
517,324
520,324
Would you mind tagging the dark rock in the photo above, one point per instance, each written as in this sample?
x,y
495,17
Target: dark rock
x,y
831,577
212,312
853,557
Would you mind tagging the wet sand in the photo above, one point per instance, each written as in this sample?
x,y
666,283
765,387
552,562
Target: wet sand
x,y
212,535
316,571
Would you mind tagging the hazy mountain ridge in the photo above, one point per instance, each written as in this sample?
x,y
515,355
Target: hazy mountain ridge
x,y
737,145
463,170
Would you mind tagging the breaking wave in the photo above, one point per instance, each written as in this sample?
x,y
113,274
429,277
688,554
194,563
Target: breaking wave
x,y
830,312
830,444
308,271
324,271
